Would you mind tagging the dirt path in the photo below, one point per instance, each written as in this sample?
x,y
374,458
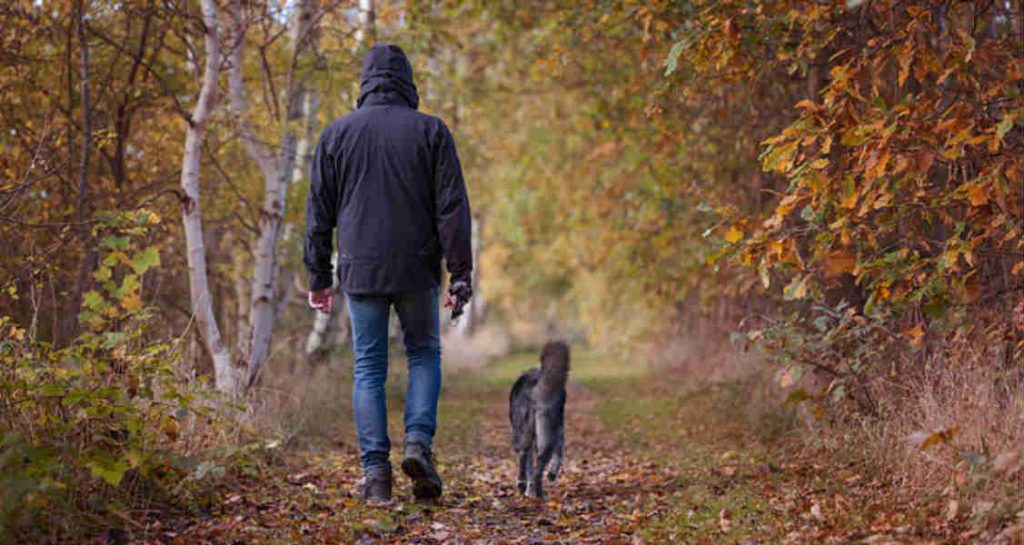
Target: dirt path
x,y
595,500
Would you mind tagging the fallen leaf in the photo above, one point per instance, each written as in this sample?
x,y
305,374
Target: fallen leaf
x,y
916,335
1007,463
725,520
726,471
816,511
952,510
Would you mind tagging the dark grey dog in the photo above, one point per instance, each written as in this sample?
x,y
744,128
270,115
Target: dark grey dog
x,y
536,408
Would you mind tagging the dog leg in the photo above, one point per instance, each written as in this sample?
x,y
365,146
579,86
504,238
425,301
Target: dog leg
x,y
556,462
543,457
525,468
545,450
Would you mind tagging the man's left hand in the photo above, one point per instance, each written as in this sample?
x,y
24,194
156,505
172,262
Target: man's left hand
x,y
322,300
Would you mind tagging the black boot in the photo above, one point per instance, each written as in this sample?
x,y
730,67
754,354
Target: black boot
x,y
418,464
375,484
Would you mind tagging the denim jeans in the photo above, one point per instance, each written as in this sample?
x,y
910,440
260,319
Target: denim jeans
x,y
420,319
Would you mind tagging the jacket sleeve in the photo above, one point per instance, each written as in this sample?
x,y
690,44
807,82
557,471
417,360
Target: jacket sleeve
x,y
321,217
452,206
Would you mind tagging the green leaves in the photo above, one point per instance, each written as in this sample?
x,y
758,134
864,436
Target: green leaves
x,y
671,62
119,275
797,288
111,471
1004,126
145,260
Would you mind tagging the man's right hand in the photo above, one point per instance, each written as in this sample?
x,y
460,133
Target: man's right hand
x,y
458,295
322,300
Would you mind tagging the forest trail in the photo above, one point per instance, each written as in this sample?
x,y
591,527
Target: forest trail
x,y
646,463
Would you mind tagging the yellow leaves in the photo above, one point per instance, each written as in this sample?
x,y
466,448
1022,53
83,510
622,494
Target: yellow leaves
x,y
838,262
780,158
806,105
850,195
925,441
797,288
916,335
170,428
132,302
775,249
876,164
826,145
977,195
954,146
1018,269
785,206
906,57
733,235
947,125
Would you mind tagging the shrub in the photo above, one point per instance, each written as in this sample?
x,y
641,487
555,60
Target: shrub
x,y
104,425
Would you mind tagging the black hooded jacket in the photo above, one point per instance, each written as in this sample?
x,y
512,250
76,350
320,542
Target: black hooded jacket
x,y
388,178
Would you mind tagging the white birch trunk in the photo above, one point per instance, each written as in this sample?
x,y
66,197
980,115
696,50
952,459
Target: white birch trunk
x,y
366,34
199,287
317,338
277,174
474,309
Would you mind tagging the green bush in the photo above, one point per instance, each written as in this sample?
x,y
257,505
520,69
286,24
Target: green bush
x,y
103,426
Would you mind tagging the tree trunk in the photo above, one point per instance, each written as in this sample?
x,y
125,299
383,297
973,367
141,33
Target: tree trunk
x,y
367,32
86,263
277,174
474,309
199,287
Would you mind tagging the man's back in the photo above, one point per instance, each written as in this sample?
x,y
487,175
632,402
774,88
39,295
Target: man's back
x,y
388,177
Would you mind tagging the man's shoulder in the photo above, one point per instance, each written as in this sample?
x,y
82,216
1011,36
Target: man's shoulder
x,y
428,125
364,115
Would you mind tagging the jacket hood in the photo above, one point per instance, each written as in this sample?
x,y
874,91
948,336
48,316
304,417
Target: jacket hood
x,y
387,78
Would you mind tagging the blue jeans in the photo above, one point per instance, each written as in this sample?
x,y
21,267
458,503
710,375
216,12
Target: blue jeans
x,y
420,319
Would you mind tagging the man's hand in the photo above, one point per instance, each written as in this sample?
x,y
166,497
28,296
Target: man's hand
x,y
322,300
457,296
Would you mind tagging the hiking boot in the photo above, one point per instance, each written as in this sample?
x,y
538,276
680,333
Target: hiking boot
x,y
418,464
375,485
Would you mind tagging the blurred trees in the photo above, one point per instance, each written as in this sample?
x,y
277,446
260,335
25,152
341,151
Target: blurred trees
x,y
641,157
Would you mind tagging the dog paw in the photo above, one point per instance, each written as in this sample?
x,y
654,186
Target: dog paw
x,y
521,485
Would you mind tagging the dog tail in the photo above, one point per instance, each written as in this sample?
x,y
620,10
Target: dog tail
x,y
554,370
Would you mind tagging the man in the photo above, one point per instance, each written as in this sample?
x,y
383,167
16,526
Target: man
x,y
388,178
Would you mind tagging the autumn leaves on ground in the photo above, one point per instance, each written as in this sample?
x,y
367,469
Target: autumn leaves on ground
x,y
646,464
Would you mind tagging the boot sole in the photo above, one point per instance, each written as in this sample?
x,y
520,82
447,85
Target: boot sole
x,y
423,486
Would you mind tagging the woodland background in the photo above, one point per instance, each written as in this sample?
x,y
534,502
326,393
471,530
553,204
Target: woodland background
x,y
834,186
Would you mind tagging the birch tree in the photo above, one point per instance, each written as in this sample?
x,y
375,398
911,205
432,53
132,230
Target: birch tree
x,y
278,169
199,287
